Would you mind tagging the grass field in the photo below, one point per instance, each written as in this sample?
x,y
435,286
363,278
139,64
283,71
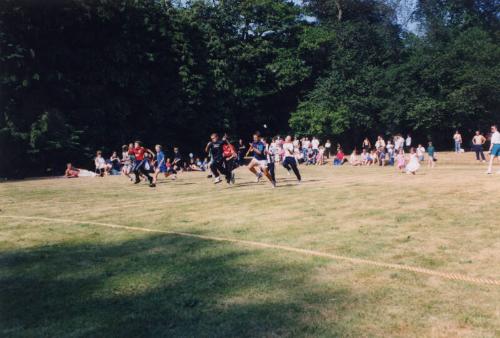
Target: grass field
x,y
81,277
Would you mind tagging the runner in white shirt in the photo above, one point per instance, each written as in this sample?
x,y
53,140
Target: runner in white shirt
x,y
289,161
494,147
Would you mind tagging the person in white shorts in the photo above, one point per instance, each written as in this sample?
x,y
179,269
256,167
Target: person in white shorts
x,y
259,160
494,146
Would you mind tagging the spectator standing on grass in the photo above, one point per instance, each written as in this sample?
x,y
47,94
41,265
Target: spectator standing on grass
x,y
457,138
494,146
431,152
315,146
390,152
408,141
477,146
328,149
398,143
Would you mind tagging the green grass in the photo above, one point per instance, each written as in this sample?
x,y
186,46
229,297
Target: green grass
x,y
79,279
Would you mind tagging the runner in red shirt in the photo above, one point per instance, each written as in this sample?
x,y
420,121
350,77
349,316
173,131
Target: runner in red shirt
x,y
141,164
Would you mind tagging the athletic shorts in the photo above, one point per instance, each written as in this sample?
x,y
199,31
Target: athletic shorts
x,y
162,169
261,163
495,151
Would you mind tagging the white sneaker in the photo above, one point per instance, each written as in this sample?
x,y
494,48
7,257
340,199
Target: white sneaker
x,y
217,180
259,176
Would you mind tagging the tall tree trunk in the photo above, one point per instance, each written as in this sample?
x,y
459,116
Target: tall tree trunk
x,y
339,9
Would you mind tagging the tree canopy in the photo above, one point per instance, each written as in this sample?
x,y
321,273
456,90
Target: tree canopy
x,y
82,75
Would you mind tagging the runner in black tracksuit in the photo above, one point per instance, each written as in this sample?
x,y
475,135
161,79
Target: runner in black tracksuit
x,y
214,147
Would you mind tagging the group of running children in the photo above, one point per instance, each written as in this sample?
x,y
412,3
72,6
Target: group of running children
x,y
224,158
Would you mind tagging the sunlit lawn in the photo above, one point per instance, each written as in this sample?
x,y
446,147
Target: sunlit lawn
x,y
81,279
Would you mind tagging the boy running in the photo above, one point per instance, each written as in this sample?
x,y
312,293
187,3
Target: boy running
x,y
141,163
229,154
259,159
214,147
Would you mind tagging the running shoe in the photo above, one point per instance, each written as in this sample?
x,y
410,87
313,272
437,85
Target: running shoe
x,y
217,180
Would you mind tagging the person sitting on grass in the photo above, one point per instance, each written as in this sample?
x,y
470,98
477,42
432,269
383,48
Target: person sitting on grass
x,y
366,158
100,164
114,164
353,159
339,157
71,172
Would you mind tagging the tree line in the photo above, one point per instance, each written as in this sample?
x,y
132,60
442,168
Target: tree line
x,y
82,75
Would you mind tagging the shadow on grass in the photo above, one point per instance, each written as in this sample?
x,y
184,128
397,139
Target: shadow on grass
x,y
163,286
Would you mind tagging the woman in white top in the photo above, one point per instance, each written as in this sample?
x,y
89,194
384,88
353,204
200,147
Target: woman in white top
x,y
289,161
494,146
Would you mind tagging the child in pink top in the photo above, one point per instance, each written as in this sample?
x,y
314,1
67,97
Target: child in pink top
x,y
400,160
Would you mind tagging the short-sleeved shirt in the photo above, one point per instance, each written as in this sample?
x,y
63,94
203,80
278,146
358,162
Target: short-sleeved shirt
x,y
261,148
289,149
430,150
160,159
215,148
139,153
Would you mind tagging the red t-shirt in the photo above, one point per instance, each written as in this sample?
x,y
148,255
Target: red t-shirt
x,y
139,153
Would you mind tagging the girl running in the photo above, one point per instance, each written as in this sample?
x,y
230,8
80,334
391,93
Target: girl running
x,y
289,161
413,164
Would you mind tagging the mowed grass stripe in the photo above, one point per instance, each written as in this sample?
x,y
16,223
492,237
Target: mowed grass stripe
x,y
449,276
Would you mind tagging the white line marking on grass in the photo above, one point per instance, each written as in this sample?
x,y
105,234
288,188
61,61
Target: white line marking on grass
x,y
359,261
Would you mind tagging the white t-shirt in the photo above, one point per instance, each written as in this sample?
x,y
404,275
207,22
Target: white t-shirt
x,y
495,137
288,148
315,144
408,141
306,144
398,143
420,151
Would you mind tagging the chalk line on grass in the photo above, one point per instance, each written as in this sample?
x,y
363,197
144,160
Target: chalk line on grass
x,y
359,261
